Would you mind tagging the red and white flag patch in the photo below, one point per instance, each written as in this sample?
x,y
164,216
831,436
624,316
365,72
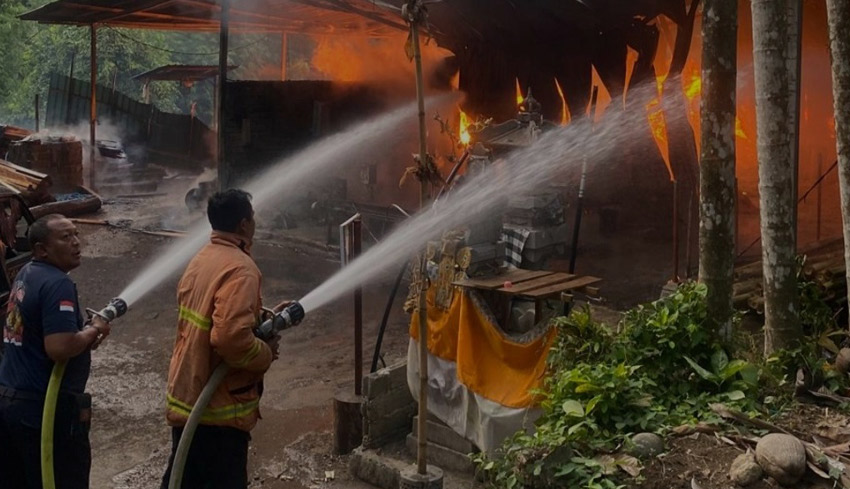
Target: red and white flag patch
x,y
66,306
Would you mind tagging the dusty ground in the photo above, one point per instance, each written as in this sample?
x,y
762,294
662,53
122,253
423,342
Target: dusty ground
x,y
291,446
702,461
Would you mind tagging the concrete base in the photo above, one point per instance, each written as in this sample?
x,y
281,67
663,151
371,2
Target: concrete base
x,y
442,435
442,456
410,478
348,423
382,472
669,289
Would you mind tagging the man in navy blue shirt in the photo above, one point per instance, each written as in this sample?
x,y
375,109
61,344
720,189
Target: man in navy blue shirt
x,y
44,325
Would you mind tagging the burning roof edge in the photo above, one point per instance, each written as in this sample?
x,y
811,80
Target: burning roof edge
x,y
338,17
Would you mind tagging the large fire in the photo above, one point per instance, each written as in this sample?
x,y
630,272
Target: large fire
x,y
361,58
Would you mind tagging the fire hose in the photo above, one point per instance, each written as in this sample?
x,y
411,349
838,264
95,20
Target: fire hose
x,y
290,316
116,308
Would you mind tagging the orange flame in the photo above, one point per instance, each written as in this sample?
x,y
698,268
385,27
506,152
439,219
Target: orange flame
x,y
565,111
519,98
455,81
465,137
739,129
693,88
658,125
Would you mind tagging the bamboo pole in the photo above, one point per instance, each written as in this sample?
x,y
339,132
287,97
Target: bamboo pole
x,y
414,14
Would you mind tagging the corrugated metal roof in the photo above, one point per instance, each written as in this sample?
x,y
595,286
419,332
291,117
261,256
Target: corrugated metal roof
x,y
319,17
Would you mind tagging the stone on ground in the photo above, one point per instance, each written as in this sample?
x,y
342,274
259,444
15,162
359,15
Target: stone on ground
x,y
782,457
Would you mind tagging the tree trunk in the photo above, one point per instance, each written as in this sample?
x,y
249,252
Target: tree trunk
x,y
838,12
794,62
776,173
717,168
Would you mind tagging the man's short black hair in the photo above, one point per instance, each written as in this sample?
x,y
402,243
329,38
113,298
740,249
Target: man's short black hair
x,y
226,209
40,229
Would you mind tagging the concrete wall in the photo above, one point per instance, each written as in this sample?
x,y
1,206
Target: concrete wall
x,y
388,407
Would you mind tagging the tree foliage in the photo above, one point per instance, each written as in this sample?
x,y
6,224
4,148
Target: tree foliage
x,y
33,51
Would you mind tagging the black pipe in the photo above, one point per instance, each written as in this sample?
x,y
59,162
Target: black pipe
x,y
386,318
577,226
393,293
453,173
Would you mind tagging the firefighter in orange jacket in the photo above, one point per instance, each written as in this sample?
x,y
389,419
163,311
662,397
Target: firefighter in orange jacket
x,y
219,305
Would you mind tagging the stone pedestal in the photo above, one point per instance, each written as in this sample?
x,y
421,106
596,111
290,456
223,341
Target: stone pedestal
x,y
412,479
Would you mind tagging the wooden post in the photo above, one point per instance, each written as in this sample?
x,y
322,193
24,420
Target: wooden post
x,y
356,243
820,197
93,106
36,114
70,91
675,278
348,421
223,170
284,54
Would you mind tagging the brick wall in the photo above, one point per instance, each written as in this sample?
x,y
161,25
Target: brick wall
x,y
388,407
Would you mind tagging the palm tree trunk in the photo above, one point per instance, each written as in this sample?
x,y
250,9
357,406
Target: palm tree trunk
x,y
717,166
838,12
776,173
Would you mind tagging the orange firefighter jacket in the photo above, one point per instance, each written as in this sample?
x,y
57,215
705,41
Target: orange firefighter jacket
x,y
219,305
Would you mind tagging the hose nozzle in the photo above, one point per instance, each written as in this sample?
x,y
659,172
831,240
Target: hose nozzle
x,y
290,316
116,308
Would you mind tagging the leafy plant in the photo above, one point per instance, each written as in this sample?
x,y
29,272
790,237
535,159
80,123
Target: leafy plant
x,y
602,387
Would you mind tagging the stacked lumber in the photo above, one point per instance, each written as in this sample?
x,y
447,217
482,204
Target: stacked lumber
x,y
33,186
824,265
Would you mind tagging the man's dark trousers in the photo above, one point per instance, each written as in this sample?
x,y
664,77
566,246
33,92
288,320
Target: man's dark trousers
x,y
218,458
20,444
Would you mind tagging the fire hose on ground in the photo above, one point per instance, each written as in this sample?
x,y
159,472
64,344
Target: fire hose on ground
x,y
290,316
116,308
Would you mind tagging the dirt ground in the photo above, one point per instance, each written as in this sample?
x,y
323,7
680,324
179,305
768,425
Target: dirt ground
x,y
292,445
702,461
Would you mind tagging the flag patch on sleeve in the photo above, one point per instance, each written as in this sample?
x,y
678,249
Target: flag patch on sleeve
x,y
66,306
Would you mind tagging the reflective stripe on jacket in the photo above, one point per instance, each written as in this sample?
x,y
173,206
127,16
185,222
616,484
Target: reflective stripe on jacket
x,y
219,304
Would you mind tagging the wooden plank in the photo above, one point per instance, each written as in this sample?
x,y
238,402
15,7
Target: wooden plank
x,y
537,283
497,281
562,287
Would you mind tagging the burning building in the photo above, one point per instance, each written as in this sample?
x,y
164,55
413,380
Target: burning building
x,y
560,50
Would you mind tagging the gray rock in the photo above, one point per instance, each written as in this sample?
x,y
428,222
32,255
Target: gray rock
x,y
647,445
745,471
782,457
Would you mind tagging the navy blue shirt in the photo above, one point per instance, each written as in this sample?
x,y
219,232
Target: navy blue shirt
x,y
43,301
